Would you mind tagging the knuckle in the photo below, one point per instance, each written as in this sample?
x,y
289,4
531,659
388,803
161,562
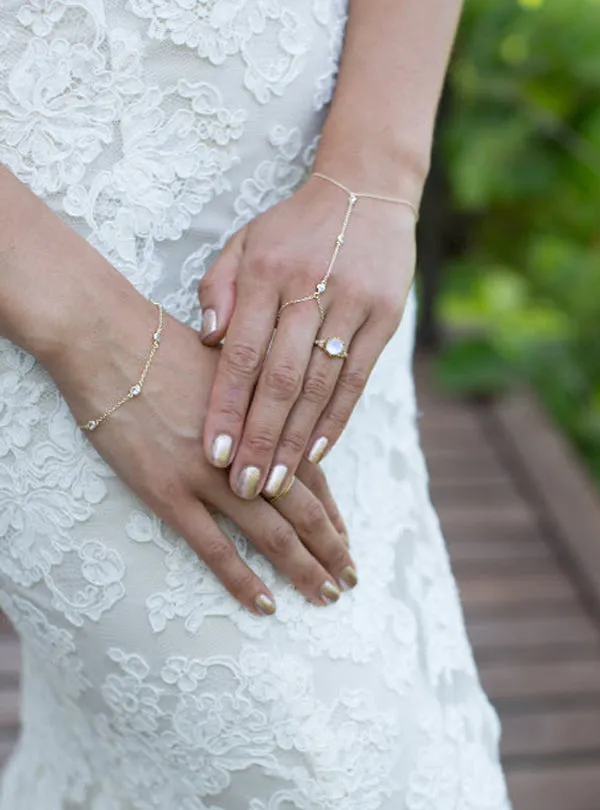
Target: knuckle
x,y
283,382
243,584
308,577
266,264
337,557
243,359
317,387
337,418
259,443
165,486
353,381
313,518
231,409
280,541
204,284
217,553
390,312
358,297
293,442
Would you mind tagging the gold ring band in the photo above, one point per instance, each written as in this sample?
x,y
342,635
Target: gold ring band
x,y
283,491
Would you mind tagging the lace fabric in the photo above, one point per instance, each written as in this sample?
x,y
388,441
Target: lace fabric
x,y
156,128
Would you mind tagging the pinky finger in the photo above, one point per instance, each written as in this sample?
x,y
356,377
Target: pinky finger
x,y
218,551
366,347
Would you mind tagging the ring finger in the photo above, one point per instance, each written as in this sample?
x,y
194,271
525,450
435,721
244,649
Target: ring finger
x,y
322,375
278,387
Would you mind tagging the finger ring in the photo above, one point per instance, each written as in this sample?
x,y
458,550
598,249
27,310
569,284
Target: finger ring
x,y
283,491
334,347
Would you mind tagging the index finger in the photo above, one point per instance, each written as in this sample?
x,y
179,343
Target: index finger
x,y
240,363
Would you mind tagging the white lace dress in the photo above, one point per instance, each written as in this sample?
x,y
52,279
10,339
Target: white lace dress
x,y
156,128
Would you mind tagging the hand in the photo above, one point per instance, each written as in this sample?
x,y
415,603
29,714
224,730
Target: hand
x,y
270,406
154,445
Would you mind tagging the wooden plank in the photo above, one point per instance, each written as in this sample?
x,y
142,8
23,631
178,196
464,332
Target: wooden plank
x,y
561,787
491,494
515,533
496,548
461,432
462,466
480,517
564,489
510,591
550,733
531,633
541,681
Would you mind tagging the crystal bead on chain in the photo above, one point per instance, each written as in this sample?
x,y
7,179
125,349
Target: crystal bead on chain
x,y
353,198
136,389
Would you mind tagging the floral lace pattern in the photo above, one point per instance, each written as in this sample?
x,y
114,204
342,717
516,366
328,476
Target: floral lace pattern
x,y
156,129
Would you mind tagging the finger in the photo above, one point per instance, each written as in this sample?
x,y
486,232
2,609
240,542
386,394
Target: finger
x,y
318,534
324,369
313,477
278,387
216,290
366,347
278,540
218,551
241,360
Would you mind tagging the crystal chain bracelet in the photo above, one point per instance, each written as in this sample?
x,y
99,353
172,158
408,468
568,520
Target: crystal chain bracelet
x,y
353,198
135,389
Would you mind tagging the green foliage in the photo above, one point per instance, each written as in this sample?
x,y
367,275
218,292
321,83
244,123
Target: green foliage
x,y
522,151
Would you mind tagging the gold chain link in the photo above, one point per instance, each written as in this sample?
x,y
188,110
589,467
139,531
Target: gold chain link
x,y
353,198
136,388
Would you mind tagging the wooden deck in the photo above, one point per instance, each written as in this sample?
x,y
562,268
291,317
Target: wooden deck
x,y
523,528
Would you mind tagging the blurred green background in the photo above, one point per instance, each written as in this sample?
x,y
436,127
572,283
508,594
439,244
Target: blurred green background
x,y
519,145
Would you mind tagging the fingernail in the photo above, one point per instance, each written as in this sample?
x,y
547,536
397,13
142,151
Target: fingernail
x,y
221,450
265,604
330,592
345,539
348,578
317,451
276,479
248,482
209,322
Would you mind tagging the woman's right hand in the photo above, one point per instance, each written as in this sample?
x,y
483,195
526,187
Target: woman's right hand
x,y
154,444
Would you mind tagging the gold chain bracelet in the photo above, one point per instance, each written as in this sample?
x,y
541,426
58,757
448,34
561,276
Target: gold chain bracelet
x,y
135,389
353,198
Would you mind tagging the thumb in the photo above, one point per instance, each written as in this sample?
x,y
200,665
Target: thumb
x,y
216,290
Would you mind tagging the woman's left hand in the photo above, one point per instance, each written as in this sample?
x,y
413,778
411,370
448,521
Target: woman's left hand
x,y
271,406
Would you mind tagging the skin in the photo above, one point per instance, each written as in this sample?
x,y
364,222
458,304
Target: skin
x,y
93,339
278,407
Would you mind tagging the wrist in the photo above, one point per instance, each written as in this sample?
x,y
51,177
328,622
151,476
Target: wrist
x,y
52,282
378,162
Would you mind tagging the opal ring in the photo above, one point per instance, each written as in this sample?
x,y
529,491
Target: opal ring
x,y
334,347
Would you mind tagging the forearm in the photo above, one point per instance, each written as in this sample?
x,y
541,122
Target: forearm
x,y
49,275
379,130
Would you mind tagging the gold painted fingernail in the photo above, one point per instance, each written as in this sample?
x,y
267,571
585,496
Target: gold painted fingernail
x,y
329,592
265,604
221,450
276,479
209,322
317,451
248,482
348,578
